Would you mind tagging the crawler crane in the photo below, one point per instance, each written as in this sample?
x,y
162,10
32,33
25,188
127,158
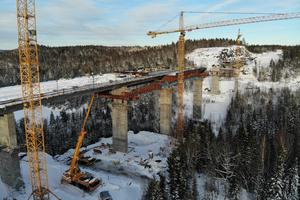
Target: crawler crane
x,y
182,30
74,174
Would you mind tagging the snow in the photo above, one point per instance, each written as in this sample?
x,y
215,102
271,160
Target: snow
x,y
122,174
129,186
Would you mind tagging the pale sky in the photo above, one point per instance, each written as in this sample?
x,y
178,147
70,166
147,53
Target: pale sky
x,y
126,23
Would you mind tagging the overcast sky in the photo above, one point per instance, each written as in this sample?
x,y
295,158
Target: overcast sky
x,y
126,23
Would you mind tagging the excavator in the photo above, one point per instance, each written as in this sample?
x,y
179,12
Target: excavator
x,y
74,175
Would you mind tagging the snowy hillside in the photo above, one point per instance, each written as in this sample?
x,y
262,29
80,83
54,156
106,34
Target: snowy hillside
x,y
215,107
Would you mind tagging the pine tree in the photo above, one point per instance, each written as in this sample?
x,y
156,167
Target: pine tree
x,y
163,186
277,184
175,174
187,195
234,182
195,192
52,120
153,190
292,181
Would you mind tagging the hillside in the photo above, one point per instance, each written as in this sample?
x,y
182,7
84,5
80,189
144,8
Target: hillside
x,y
73,61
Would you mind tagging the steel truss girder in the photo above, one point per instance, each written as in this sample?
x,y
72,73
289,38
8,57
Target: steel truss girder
x,y
157,85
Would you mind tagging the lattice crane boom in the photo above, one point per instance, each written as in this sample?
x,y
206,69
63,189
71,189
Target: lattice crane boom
x,y
182,30
230,23
29,69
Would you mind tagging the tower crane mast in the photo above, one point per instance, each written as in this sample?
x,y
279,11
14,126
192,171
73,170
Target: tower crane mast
x,y
29,69
182,30
237,68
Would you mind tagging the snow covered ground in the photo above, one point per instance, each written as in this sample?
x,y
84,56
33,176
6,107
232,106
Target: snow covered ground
x,y
127,180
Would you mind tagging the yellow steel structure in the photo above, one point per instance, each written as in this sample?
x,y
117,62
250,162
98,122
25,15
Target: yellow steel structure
x,y
237,68
180,120
29,69
182,30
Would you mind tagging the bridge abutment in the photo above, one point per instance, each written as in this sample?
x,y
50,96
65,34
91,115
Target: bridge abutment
x,y
120,121
165,110
8,136
197,98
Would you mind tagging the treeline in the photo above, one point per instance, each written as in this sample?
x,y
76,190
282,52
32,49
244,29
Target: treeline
x,y
73,61
256,151
289,52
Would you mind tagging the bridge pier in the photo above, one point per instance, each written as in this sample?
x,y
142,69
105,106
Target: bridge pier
x,y
10,172
165,110
120,121
197,98
8,136
215,80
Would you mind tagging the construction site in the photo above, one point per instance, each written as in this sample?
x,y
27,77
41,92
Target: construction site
x,y
126,161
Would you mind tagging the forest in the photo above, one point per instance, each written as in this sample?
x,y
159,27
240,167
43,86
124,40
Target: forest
x,y
255,151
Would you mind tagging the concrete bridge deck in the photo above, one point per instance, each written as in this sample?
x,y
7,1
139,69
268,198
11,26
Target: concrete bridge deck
x,y
15,104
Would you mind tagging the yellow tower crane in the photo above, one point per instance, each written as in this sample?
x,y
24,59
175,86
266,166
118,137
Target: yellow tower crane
x,y
237,68
182,30
29,69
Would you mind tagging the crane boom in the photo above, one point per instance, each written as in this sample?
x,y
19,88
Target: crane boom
x,y
181,53
231,22
245,21
74,175
73,169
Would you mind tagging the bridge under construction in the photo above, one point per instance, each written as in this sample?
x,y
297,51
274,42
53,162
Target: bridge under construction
x,y
121,93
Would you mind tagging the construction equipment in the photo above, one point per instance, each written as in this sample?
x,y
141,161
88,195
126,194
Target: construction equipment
x,y
86,160
237,69
182,30
29,69
74,175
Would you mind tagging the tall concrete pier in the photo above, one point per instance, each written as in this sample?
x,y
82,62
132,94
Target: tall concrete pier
x,y
197,99
215,80
165,110
120,121
8,135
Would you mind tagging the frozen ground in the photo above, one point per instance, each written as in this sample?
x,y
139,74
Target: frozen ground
x,y
127,180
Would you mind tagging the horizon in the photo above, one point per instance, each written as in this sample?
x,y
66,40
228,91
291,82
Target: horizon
x,y
122,23
17,48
